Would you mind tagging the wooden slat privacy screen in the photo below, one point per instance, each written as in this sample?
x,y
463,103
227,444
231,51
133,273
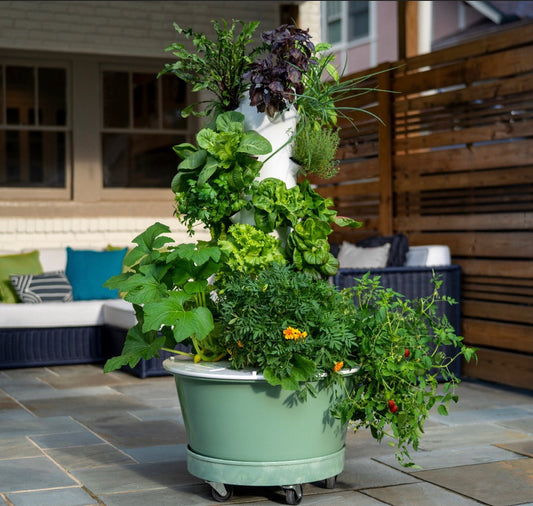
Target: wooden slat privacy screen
x,y
453,164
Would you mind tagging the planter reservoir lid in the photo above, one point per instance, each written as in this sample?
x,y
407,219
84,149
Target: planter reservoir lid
x,y
217,370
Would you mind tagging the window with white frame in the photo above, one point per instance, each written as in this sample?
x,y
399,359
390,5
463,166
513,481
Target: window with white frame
x,y
344,22
34,125
141,120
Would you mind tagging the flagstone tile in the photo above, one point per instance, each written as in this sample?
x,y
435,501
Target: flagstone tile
x,y
59,497
165,413
17,447
158,453
520,447
38,426
31,474
83,457
14,416
489,415
443,437
439,459
127,432
6,402
497,483
136,477
522,424
79,405
96,379
362,473
419,494
81,438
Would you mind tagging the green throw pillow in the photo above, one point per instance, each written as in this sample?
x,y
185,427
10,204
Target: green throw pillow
x,y
23,263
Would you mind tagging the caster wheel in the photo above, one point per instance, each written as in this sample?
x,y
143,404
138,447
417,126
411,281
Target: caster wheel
x,y
293,494
330,482
221,493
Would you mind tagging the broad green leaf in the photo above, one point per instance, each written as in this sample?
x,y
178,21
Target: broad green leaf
x,y
136,347
206,139
331,267
195,160
194,287
198,323
303,367
185,149
290,383
269,376
140,289
210,167
164,312
254,144
224,121
343,221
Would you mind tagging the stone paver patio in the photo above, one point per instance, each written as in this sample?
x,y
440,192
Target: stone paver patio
x,y
72,436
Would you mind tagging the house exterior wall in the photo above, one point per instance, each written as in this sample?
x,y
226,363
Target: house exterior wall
x,y
129,28
87,35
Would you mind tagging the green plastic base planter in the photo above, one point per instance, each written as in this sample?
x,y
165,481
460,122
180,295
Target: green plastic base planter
x,y
244,431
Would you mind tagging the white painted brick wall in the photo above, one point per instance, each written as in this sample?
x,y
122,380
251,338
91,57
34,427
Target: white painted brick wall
x,y
95,233
131,28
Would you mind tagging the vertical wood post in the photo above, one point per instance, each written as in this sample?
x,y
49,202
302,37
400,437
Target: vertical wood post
x,y
407,29
385,131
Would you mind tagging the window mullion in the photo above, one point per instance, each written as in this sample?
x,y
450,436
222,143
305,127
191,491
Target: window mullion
x,y
3,119
36,121
131,105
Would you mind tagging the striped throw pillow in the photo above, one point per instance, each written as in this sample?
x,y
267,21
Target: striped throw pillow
x,y
48,287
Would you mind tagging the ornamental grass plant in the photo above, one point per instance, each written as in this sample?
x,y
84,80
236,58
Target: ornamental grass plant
x,y
258,293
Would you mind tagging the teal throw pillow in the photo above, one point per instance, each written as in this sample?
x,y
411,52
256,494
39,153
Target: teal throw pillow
x,y
88,270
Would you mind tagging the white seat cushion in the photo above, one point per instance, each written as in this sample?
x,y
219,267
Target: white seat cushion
x,y
83,313
428,256
119,313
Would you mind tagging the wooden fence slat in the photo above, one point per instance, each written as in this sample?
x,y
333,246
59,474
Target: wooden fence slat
x,y
498,335
480,244
488,221
466,95
522,35
499,155
496,131
497,311
495,267
508,62
510,368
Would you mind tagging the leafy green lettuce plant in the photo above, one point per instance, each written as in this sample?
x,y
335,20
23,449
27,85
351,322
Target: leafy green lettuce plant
x,y
249,250
215,177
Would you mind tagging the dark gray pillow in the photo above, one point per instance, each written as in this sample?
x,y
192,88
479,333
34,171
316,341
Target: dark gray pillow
x,y
48,287
399,246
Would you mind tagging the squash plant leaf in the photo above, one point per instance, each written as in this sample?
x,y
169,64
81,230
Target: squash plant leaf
x,y
136,347
197,322
166,311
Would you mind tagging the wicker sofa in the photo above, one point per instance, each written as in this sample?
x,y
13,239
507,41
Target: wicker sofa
x,y
90,331
72,332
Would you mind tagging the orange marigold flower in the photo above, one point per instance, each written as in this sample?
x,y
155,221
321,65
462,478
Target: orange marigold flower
x,y
338,366
239,344
292,333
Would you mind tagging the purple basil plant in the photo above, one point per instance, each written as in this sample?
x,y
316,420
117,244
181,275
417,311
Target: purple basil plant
x,y
276,79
